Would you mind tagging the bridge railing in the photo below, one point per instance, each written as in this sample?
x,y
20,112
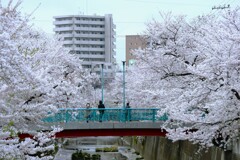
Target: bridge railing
x,y
108,114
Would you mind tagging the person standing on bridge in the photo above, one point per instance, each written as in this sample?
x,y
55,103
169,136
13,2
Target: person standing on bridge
x,y
88,112
101,108
128,112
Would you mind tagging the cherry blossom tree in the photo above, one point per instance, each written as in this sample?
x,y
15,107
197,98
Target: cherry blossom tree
x,y
190,70
37,76
114,91
68,83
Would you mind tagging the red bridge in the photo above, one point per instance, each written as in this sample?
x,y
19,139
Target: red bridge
x,y
79,122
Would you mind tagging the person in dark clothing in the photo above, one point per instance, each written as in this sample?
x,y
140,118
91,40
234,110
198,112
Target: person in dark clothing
x,y
128,112
128,106
101,110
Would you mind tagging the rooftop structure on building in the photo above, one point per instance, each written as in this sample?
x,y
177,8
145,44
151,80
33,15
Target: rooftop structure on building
x,y
133,42
92,38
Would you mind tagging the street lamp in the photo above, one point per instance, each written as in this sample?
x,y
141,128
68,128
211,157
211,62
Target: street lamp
x,y
102,80
124,84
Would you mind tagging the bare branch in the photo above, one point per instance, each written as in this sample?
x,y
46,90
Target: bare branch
x,y
236,93
176,75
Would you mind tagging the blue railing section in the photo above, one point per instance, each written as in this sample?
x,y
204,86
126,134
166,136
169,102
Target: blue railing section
x,y
108,114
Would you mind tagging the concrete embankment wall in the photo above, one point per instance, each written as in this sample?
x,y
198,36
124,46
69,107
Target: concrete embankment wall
x,y
159,148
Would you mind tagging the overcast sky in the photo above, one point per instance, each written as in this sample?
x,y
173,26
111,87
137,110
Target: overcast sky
x,y
130,16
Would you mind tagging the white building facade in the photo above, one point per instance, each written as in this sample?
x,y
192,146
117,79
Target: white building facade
x,y
92,38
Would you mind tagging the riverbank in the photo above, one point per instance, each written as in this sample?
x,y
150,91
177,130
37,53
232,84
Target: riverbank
x,y
160,148
89,145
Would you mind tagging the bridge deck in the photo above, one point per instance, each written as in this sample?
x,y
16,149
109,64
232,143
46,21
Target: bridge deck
x,y
76,129
105,125
77,122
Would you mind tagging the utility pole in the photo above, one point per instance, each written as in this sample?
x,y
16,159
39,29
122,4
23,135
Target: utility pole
x,y
221,7
102,80
124,62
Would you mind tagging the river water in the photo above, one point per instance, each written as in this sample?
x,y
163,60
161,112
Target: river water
x,y
89,145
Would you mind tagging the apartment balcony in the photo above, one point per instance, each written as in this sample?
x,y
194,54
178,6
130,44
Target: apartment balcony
x,y
114,60
89,42
89,49
88,29
63,22
94,64
89,35
113,39
89,22
113,46
68,42
66,35
113,54
63,29
91,56
106,71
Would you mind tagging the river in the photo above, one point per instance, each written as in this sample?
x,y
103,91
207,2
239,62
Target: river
x,y
89,145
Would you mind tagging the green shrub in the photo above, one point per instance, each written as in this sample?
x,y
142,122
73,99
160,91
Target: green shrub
x,y
96,157
137,153
79,155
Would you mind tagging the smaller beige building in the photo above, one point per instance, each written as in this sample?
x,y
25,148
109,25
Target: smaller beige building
x,y
133,42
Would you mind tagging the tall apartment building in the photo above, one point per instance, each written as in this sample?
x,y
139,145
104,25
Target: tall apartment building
x,y
133,42
92,38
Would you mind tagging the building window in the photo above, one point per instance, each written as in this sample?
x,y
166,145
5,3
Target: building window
x,y
65,32
86,66
63,19
67,38
67,45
